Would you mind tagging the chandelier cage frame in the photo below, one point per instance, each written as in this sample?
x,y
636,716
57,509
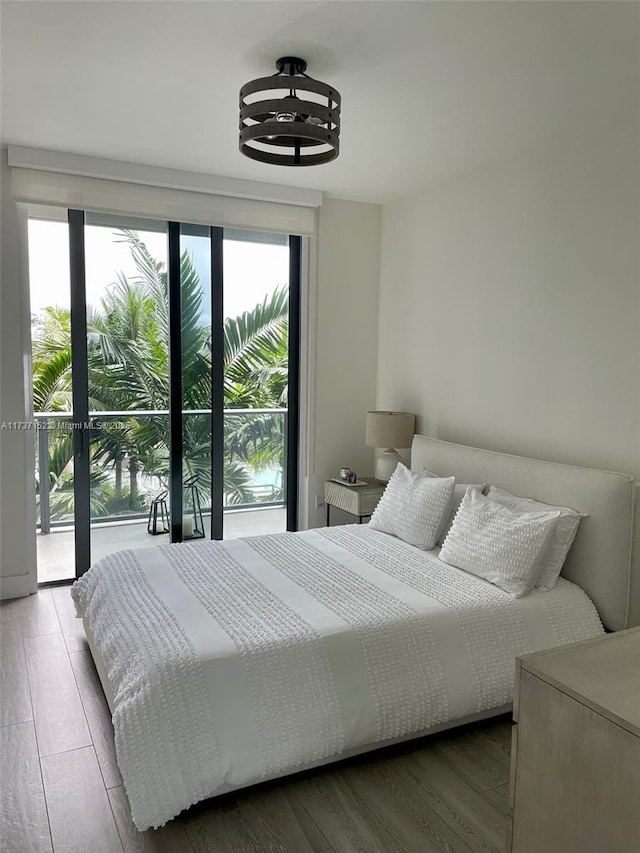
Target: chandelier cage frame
x,y
308,129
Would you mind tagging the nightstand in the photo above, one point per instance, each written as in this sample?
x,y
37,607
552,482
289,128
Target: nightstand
x,y
575,765
356,500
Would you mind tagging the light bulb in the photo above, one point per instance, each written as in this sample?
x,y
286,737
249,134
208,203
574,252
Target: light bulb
x,y
285,117
316,121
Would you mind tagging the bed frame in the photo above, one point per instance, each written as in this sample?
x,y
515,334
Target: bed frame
x,y
599,561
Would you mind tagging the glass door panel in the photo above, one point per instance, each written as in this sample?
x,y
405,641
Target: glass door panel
x,y
256,351
50,297
195,309
184,350
128,382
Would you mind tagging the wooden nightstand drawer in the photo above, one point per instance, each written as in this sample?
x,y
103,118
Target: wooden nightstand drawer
x,y
356,500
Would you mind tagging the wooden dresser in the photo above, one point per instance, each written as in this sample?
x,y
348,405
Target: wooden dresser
x,y
575,761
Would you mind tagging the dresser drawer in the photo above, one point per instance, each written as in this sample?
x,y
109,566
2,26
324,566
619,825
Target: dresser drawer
x,y
577,777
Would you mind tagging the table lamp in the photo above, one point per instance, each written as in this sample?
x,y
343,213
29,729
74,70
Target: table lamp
x,y
390,430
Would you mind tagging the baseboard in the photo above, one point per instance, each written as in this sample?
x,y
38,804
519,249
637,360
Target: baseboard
x,y
17,586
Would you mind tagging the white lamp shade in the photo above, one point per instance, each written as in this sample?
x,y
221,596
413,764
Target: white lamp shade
x,y
390,429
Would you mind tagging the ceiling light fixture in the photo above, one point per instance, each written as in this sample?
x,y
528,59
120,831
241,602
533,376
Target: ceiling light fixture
x,y
289,130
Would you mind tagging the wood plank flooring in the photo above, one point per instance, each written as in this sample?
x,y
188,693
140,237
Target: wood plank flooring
x,y
61,790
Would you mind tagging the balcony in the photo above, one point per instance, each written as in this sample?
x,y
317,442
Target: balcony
x,y
129,467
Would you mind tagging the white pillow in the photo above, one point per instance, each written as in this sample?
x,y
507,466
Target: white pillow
x,y
553,557
458,493
414,507
495,543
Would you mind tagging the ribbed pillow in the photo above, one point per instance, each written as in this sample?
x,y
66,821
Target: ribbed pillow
x,y
459,491
491,541
553,557
414,507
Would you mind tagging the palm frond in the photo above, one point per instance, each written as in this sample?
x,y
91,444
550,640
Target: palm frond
x,y
52,382
128,353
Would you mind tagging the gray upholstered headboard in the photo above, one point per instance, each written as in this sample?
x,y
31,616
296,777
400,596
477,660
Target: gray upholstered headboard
x,y
600,557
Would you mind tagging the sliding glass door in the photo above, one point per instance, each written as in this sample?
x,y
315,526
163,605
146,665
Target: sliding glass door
x,y
50,297
257,291
195,365
125,293
182,381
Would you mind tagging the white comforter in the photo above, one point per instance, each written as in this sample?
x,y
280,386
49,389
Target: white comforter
x,y
232,662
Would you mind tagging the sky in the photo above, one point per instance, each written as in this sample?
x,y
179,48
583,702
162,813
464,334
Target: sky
x,y
251,270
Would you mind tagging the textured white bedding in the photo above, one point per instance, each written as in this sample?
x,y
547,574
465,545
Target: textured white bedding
x,y
232,662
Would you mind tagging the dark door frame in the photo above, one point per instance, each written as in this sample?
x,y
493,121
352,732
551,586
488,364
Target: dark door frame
x,y
175,382
293,376
80,394
217,383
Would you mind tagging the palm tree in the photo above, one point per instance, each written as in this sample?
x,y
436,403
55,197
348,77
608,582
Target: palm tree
x,y
51,353
128,345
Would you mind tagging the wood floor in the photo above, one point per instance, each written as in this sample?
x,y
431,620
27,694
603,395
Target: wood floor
x,y
61,790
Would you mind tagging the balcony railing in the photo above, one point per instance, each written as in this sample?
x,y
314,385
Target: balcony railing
x,y
134,445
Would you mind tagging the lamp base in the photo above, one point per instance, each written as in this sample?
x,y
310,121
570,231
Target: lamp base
x,y
386,464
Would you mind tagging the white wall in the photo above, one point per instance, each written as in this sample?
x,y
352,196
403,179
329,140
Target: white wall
x,y
17,497
344,323
509,303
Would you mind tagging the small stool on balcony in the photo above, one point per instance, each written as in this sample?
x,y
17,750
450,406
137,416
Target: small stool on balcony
x,y
158,515
193,522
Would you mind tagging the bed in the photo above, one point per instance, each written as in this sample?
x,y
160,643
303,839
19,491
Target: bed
x,y
226,664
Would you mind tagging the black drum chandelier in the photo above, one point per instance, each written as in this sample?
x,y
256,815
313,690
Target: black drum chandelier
x,y
280,127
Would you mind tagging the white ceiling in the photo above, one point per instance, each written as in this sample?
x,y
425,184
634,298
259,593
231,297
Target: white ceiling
x,y
429,89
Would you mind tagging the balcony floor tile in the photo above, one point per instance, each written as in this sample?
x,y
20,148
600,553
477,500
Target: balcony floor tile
x,y
56,550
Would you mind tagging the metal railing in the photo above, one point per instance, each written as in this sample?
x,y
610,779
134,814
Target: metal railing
x,y
48,422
